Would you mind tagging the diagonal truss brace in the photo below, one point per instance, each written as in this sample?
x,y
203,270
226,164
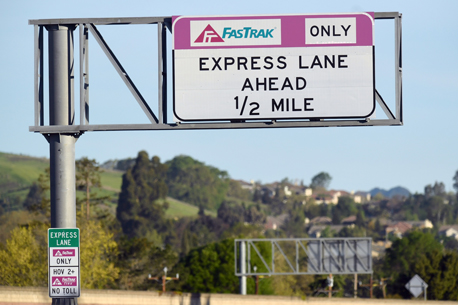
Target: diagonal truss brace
x,y
355,252
123,74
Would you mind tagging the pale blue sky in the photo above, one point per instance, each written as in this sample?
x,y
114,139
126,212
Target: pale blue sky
x,y
421,152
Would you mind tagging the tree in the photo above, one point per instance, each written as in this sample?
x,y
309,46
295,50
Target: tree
x,y
254,215
345,207
203,230
438,189
419,253
138,257
87,176
360,219
455,182
38,199
138,212
24,260
196,183
210,269
235,190
231,213
98,252
321,180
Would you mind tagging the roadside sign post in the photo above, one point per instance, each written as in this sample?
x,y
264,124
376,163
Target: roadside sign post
x,y
416,286
64,263
62,163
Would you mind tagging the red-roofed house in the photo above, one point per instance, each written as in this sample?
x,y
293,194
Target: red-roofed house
x,y
398,229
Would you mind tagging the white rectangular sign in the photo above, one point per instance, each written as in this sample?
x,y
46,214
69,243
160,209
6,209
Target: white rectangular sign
x,y
64,256
63,262
273,67
330,30
64,282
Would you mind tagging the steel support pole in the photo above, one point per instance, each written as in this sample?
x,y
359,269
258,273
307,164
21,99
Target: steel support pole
x,y
243,267
62,146
355,286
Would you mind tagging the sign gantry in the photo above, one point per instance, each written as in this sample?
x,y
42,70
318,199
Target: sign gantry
x,y
253,71
300,256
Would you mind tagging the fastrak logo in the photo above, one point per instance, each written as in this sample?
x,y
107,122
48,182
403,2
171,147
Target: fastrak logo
x,y
63,252
235,32
209,35
64,281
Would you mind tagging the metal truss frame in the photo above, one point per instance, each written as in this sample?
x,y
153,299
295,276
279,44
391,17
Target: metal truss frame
x,y
159,122
316,255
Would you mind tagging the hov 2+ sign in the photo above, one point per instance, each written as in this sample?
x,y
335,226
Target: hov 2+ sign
x,y
273,67
64,261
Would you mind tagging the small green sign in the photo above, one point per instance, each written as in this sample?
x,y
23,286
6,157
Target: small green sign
x,y
63,238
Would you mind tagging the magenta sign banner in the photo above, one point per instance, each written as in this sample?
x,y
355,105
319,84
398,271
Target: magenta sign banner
x,y
64,281
63,252
273,67
273,31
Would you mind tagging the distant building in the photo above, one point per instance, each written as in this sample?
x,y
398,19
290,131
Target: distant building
x,y
321,220
398,229
327,197
379,248
421,224
332,196
350,220
361,197
315,231
273,223
246,185
449,231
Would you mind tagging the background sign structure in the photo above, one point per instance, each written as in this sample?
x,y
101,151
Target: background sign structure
x,y
64,261
300,256
273,67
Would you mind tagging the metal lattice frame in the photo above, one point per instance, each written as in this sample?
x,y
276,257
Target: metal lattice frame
x,y
159,122
311,256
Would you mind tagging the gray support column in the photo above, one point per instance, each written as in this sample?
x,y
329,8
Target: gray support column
x,y
355,286
243,267
62,146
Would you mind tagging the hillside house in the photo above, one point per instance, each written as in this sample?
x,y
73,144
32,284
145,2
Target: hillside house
x,y
327,197
273,223
421,224
398,229
361,197
321,220
449,231
332,196
349,221
247,185
315,231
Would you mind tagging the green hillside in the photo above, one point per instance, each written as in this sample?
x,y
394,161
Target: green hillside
x,y
182,209
19,172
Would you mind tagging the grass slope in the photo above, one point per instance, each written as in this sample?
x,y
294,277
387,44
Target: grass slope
x,y
179,209
112,180
19,170
18,173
